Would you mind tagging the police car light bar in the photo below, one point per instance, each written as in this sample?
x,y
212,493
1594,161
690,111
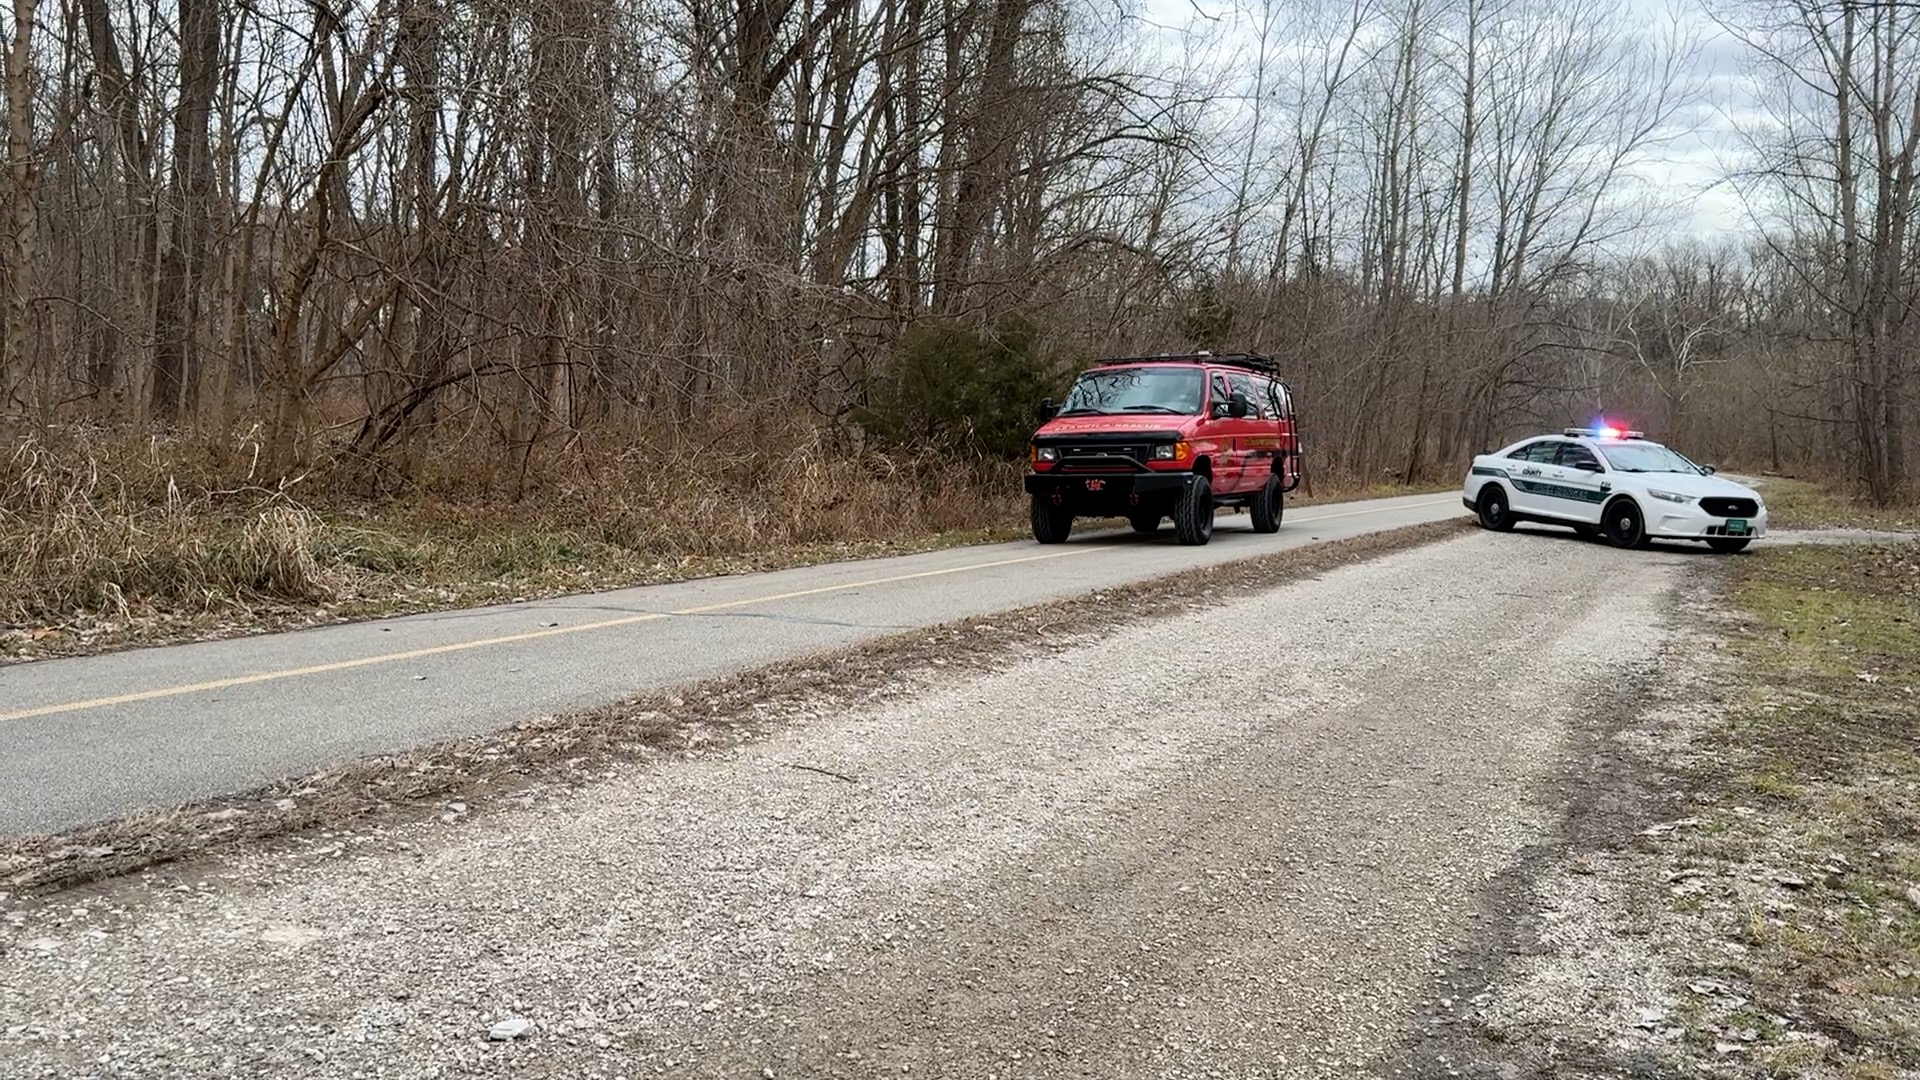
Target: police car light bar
x,y
1602,433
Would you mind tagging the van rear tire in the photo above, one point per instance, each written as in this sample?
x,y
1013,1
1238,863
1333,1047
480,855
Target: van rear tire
x,y
1268,507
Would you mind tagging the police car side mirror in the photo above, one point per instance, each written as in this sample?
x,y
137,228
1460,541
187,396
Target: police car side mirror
x,y
1709,469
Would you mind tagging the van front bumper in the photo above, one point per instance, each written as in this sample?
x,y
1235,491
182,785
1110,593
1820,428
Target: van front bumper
x,y
1107,492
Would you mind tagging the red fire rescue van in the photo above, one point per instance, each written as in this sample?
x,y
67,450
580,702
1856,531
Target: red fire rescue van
x,y
1154,437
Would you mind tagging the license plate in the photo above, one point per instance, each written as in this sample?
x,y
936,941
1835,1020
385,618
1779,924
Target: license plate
x,y
1096,485
1736,526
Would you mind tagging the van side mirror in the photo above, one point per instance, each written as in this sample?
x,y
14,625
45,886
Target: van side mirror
x,y
1047,410
1237,406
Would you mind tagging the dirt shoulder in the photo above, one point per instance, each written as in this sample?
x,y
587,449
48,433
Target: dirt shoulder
x,y
1245,836
1739,891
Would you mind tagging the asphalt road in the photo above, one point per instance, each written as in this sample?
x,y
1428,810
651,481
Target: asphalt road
x,y
93,738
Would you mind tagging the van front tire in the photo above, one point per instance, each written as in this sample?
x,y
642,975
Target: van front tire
x,y
1193,514
1051,524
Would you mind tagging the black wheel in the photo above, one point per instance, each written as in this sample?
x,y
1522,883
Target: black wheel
x,y
1493,509
1587,532
1145,522
1268,507
1193,514
1624,526
1727,545
1051,523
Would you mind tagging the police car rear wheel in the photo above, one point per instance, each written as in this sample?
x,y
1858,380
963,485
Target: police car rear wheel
x,y
1624,526
1193,514
1493,509
1727,545
1267,507
1051,524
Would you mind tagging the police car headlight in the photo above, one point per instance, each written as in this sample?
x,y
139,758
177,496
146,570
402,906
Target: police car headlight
x,y
1669,496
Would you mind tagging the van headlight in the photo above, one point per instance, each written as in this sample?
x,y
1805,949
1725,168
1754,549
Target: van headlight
x,y
1046,453
1173,451
1669,496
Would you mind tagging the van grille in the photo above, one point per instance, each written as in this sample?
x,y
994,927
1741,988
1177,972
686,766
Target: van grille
x,y
1103,455
1735,508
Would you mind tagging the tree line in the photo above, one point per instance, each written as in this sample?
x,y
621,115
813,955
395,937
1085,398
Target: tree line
x,y
361,231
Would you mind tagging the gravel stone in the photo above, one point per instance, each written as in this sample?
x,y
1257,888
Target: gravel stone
x,y
1239,841
506,1030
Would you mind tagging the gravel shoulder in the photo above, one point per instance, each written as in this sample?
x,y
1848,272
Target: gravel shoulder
x,y
1741,893
1255,840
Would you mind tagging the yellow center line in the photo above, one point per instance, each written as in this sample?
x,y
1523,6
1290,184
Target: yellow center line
x,y
507,639
556,631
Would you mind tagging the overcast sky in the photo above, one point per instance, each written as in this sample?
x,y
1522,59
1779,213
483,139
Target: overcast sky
x,y
1689,171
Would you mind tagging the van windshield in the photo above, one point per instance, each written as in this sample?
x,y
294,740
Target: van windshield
x,y
1172,390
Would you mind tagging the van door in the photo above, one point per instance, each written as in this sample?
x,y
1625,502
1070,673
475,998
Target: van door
x,y
1268,457
1249,472
1217,434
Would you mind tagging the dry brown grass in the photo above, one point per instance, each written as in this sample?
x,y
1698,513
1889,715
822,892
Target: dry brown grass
x,y
107,538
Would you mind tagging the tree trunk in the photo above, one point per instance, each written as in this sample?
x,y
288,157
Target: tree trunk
x,y
183,265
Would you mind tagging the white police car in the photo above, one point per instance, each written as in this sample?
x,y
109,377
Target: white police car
x,y
1605,482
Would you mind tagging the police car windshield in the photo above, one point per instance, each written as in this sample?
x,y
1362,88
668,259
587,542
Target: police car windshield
x,y
1172,390
1645,457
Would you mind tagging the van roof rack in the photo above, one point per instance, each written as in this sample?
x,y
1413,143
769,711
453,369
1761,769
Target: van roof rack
x,y
1251,361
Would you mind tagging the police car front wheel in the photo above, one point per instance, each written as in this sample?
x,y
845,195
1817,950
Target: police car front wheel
x,y
1624,526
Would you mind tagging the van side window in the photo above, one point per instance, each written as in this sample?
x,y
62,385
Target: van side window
x,y
1220,394
1264,400
1245,388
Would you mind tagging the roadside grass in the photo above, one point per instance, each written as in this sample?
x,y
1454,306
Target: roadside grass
x,y
107,543
110,540
1802,504
1819,755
